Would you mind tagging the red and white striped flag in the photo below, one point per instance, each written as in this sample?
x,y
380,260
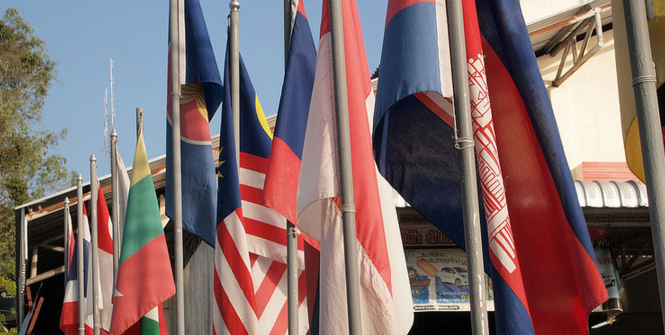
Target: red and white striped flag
x,y
250,281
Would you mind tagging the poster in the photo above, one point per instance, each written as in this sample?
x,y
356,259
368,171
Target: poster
x,y
439,280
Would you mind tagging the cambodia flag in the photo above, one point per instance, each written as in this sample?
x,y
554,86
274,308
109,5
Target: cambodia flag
x,y
201,95
281,186
536,244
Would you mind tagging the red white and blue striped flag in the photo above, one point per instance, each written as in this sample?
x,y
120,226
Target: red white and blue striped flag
x,y
385,295
538,251
69,318
250,281
201,95
281,186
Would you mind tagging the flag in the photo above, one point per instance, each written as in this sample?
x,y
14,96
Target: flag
x,y
200,97
123,191
631,133
69,318
105,245
250,281
144,278
385,295
281,185
71,244
541,242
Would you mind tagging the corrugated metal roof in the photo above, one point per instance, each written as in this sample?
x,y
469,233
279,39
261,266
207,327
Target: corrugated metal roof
x,y
630,194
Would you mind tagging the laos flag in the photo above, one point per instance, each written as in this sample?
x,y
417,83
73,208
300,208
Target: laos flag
x,y
281,185
536,245
201,95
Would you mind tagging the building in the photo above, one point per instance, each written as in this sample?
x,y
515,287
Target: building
x,y
586,105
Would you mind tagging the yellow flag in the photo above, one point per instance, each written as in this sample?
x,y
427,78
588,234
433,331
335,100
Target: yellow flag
x,y
631,136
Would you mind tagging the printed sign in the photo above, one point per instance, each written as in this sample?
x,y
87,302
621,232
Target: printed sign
x,y
440,280
422,235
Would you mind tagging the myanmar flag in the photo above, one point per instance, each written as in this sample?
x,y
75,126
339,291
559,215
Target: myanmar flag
x,y
144,278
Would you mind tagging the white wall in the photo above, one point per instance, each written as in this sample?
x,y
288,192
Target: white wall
x,y
534,10
586,106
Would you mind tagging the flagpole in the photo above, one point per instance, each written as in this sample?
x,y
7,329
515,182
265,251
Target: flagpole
x,y
346,172
651,137
465,145
174,51
95,244
291,230
115,210
68,243
79,254
234,66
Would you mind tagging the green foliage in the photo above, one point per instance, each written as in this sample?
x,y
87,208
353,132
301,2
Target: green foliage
x,y
27,171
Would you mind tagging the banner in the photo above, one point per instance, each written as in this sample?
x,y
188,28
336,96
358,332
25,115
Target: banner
x,y
440,281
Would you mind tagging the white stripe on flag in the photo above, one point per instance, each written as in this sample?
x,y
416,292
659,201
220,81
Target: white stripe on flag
x,y
251,178
233,291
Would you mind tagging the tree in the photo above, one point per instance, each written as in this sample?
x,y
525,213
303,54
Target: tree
x,y
27,171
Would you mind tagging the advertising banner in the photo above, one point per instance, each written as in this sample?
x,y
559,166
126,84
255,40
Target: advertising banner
x,y
439,280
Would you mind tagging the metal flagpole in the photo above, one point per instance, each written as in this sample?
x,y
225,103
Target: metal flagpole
x,y
291,230
651,138
174,38
346,172
115,201
20,284
234,67
79,254
94,184
68,243
465,145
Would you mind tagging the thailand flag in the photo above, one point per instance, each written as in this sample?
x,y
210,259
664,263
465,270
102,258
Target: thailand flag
x,y
281,186
69,318
385,296
536,244
201,95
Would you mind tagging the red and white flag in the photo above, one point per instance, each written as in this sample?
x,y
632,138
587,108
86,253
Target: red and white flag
x,y
105,245
70,307
386,303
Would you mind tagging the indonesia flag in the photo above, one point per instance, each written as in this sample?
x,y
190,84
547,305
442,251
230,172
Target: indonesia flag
x,y
250,282
535,238
281,185
69,318
385,295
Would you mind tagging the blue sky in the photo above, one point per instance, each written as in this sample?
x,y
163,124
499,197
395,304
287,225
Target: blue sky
x,y
81,36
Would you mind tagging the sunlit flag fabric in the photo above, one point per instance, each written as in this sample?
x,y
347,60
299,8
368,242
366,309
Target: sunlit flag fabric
x,y
385,295
72,243
144,277
201,95
250,253
281,186
414,147
123,192
631,133
69,318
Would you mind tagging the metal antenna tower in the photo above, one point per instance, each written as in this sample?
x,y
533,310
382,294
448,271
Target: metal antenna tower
x,y
112,94
107,128
109,116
